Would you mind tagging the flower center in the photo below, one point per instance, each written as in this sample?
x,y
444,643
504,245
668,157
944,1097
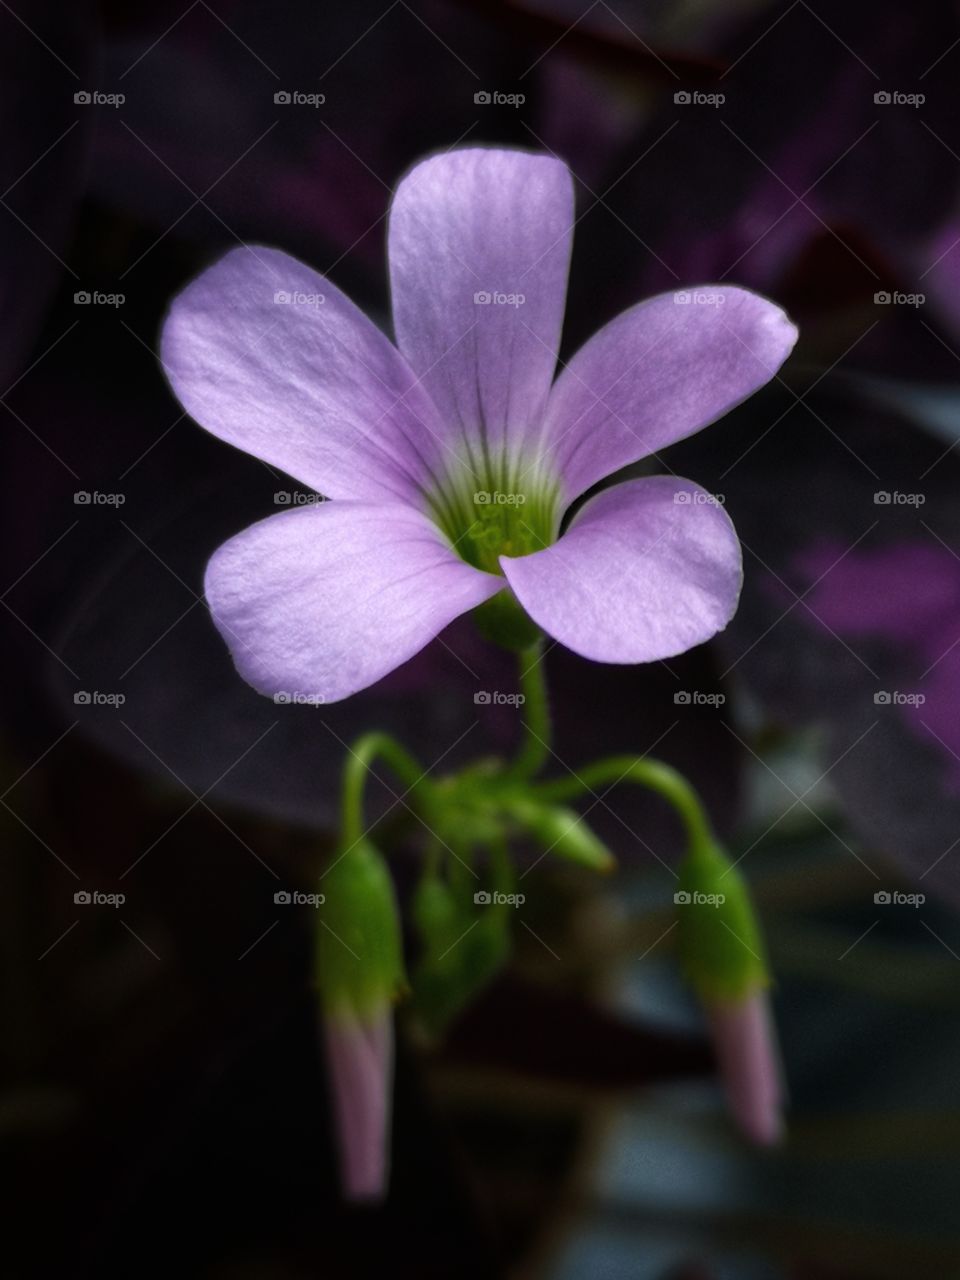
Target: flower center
x,y
484,524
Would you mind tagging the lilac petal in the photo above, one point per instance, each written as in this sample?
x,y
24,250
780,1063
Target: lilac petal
x,y
360,1063
321,602
480,223
271,357
657,373
647,569
745,1043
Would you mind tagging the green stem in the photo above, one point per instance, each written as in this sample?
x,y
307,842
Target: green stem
x,y
647,773
364,751
536,714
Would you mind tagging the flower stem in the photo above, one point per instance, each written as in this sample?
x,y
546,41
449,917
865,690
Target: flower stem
x,y
362,755
536,714
659,777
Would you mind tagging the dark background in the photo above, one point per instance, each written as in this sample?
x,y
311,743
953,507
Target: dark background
x,y
163,1108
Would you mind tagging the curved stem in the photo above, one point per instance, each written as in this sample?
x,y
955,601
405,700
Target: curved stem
x,y
536,714
659,777
362,754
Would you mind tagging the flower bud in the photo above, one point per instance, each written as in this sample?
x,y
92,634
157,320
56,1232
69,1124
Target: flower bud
x,y
722,954
359,972
461,952
563,832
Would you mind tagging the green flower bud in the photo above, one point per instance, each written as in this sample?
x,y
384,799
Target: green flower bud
x,y
720,943
359,955
461,950
435,915
563,832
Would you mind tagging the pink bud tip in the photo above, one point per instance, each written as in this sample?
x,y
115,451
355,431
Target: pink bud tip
x,y
744,1039
360,1059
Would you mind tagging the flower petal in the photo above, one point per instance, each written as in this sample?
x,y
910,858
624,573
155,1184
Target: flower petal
x,y
478,224
360,1063
647,569
271,357
745,1042
657,373
318,603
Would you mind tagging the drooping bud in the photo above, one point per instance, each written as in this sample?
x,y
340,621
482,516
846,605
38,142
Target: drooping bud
x,y
722,954
359,973
563,832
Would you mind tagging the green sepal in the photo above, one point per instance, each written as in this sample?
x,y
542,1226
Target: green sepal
x,y
719,938
503,621
563,832
359,952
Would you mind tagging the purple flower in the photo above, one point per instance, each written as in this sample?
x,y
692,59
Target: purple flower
x,y
452,457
